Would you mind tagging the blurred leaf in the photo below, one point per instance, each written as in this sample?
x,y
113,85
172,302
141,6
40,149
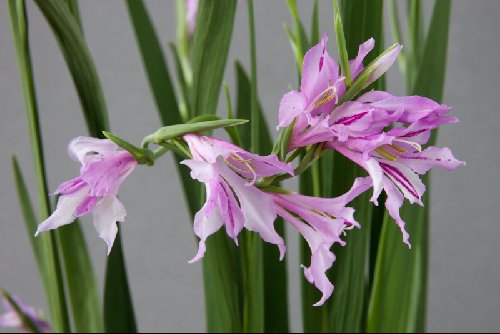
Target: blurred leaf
x,y
212,37
315,24
399,296
48,260
154,63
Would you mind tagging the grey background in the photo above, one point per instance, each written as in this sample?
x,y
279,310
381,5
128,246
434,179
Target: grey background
x,y
465,267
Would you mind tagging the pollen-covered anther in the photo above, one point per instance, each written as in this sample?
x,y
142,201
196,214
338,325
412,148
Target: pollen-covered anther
x,y
322,213
384,152
397,148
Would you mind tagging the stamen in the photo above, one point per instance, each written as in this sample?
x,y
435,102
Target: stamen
x,y
397,148
328,95
386,154
247,163
322,213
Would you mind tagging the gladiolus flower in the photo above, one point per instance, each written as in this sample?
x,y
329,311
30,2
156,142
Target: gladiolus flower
x,y
229,173
322,222
104,167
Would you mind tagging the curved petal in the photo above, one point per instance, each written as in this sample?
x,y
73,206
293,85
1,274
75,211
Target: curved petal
x,y
405,179
106,214
292,105
208,220
393,204
200,170
431,157
106,176
321,260
257,207
66,211
317,132
87,149
315,78
356,64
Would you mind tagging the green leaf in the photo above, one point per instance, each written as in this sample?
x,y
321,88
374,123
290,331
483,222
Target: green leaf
x,y
154,63
243,111
41,246
174,131
79,61
48,261
341,46
399,295
119,316
81,280
432,69
415,40
315,24
212,37
232,131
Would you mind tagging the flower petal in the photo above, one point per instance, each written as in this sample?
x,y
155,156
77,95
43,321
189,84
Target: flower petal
x,y
200,170
405,179
258,209
208,220
317,131
356,64
66,211
88,149
106,176
292,105
383,64
431,157
106,214
321,259
315,76
393,204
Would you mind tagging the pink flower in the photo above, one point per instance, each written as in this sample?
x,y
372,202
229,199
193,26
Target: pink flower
x,y
395,159
229,173
12,319
318,120
104,167
322,222
319,88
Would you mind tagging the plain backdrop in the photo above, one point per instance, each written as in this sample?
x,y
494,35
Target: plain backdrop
x,y
167,291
